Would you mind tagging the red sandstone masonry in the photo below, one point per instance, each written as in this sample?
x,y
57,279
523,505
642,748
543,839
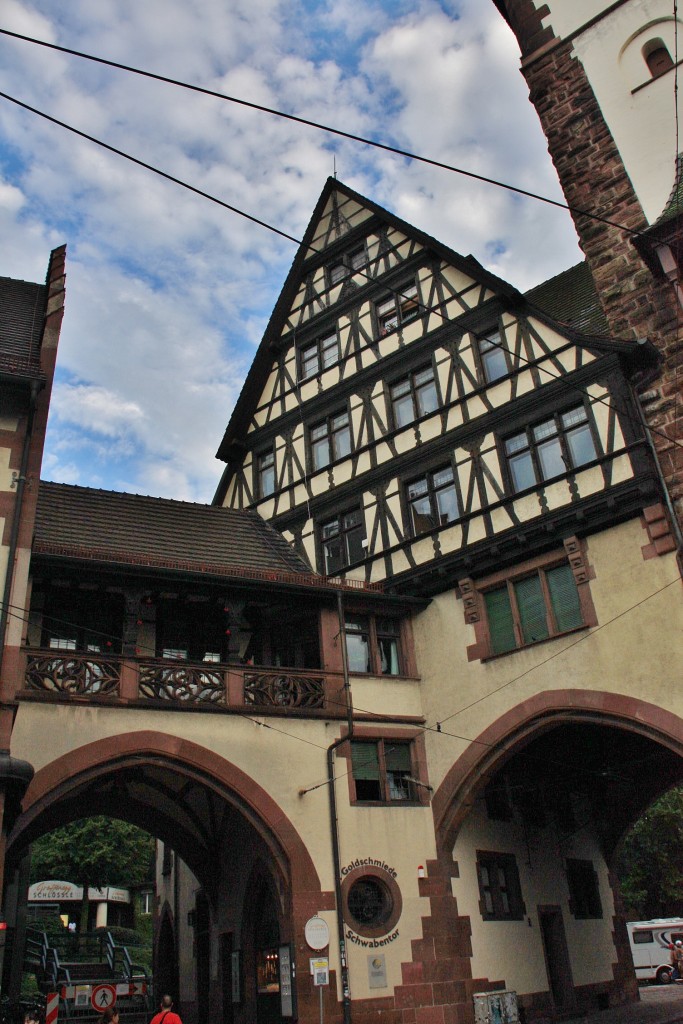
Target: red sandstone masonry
x,y
593,178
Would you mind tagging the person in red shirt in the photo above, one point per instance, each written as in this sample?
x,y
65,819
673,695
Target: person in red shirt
x,y
166,1013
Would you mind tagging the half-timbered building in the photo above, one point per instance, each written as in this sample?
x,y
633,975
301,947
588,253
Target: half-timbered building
x,y
391,702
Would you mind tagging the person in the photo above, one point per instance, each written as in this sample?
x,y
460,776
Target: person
x,y
677,961
110,1016
166,1013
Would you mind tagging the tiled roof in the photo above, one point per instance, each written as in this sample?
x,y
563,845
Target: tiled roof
x,y
571,298
674,204
22,312
114,527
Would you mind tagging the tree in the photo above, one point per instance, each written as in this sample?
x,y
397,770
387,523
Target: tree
x,y
94,852
650,862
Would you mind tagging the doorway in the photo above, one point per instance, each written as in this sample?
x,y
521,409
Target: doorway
x,y
557,963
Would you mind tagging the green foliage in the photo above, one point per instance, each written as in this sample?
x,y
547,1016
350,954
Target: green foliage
x,y
650,862
94,852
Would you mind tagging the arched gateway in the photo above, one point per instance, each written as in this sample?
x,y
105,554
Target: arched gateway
x,y
403,681
255,879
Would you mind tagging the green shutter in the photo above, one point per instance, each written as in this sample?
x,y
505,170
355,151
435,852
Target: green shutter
x,y
501,624
564,598
532,615
365,761
397,756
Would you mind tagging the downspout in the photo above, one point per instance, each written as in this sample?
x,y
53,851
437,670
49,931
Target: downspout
x,y
334,823
675,525
16,520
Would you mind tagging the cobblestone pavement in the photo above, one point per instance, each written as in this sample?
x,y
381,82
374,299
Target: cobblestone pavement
x,y
659,1004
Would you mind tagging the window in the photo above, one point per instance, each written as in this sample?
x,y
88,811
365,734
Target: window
x,y
373,645
382,771
551,448
584,892
330,440
657,57
266,473
318,356
343,541
399,309
493,355
414,396
347,265
369,902
524,611
432,501
499,889
642,938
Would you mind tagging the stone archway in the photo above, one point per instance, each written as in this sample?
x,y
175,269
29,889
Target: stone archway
x,y
210,812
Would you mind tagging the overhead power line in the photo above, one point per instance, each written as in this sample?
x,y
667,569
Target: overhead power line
x,y
673,442
406,154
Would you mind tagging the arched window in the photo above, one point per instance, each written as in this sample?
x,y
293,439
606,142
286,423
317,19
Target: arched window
x,y
657,57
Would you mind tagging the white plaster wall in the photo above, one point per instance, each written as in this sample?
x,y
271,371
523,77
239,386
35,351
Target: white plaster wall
x,y
512,951
642,123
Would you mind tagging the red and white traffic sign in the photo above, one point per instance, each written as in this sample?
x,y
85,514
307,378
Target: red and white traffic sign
x,y
103,996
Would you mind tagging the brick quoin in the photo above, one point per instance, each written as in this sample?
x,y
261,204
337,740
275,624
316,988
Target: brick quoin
x,y
594,179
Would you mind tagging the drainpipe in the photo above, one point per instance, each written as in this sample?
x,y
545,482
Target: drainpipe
x,y
16,519
675,525
334,822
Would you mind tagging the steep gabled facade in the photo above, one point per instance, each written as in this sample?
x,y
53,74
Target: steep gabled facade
x,y
412,421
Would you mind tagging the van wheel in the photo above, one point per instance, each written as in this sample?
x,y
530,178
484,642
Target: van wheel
x,y
663,976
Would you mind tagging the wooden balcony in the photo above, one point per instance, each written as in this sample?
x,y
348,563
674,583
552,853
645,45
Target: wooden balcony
x,y
101,678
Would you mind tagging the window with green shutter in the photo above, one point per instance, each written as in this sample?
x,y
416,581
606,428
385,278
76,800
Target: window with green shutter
x,y
532,608
382,771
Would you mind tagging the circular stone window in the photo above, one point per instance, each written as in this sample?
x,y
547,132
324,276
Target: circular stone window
x,y
372,901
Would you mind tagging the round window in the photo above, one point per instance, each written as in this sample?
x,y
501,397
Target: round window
x,y
371,900
370,903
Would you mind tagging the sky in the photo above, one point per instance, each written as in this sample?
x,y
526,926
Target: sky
x,y
167,293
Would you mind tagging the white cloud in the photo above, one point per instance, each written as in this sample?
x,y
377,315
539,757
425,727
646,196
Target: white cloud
x,y
167,293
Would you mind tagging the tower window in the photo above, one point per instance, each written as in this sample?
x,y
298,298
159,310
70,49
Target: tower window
x,y
657,57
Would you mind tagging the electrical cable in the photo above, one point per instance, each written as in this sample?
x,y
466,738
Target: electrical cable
x,y
406,154
673,442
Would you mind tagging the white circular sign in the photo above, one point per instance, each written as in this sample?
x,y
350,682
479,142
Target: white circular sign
x,y
317,933
103,996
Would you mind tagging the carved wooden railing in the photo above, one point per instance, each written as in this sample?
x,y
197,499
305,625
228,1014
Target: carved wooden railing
x,y
72,674
84,675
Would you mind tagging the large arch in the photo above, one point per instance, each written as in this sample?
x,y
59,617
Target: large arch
x,y
514,729
54,783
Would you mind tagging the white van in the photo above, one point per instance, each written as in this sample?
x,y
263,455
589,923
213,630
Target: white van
x,y
650,946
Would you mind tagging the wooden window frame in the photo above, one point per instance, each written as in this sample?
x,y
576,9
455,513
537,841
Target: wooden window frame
x,y
499,345
330,434
533,445
348,263
319,347
403,302
259,457
431,493
418,761
473,592
374,651
414,390
584,889
339,517
494,862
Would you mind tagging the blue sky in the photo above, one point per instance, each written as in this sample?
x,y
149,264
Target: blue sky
x,y
167,293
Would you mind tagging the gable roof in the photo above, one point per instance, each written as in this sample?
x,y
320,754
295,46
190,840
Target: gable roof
x,y
132,529
22,315
262,363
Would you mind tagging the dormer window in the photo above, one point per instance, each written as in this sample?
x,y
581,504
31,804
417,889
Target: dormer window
x,y
657,57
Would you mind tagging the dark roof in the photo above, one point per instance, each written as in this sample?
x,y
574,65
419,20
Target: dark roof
x,y
571,298
22,314
133,529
